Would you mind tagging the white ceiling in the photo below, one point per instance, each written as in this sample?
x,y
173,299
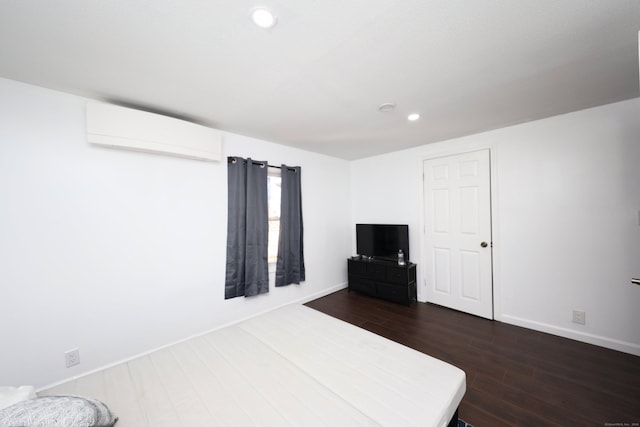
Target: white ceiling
x,y
315,80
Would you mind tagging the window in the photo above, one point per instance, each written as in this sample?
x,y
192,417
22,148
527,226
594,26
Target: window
x,y
274,189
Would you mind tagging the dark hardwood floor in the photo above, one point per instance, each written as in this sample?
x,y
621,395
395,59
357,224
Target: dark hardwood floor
x,y
515,376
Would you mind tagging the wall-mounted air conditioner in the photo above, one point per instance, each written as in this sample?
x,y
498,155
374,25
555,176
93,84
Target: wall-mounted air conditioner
x,y
126,128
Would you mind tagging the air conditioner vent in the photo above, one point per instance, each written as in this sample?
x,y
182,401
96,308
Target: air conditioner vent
x,y
119,127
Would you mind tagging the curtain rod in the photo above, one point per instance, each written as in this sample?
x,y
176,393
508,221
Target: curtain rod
x,y
263,164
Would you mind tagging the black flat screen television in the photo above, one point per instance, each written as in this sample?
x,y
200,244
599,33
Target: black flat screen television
x,y
382,241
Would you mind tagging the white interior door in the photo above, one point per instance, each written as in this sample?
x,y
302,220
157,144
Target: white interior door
x,y
457,209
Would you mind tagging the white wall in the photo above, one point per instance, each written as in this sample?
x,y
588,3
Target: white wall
x,y
566,196
118,252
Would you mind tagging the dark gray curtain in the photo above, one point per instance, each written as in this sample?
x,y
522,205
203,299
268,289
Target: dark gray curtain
x,y
290,264
247,271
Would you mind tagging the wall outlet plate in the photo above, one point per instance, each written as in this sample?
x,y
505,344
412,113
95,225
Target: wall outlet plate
x,y
579,317
72,358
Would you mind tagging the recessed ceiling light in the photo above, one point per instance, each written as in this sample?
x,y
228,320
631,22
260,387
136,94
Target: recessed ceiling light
x,y
263,18
413,117
386,107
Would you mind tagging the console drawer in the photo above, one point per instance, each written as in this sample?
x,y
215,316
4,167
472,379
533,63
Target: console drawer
x,y
362,285
397,275
357,268
393,292
376,271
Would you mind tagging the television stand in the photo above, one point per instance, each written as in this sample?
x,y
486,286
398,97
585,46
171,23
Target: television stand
x,y
383,279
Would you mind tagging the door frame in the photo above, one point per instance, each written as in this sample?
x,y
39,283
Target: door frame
x,y
495,224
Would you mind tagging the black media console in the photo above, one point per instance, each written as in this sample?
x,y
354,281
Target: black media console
x,y
383,279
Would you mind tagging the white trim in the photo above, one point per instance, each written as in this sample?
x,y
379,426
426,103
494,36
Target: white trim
x,y
421,293
302,300
495,234
585,337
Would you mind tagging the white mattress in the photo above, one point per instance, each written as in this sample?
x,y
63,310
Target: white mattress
x,y
292,366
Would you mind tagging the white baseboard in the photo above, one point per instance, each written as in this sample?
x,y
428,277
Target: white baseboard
x,y
624,346
320,294
302,300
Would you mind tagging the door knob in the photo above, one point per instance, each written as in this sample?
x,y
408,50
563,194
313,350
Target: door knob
x,y
484,244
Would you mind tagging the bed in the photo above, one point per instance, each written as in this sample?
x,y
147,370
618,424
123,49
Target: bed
x,y
291,366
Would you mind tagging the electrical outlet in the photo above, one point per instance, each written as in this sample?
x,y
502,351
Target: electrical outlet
x,y
72,357
579,317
